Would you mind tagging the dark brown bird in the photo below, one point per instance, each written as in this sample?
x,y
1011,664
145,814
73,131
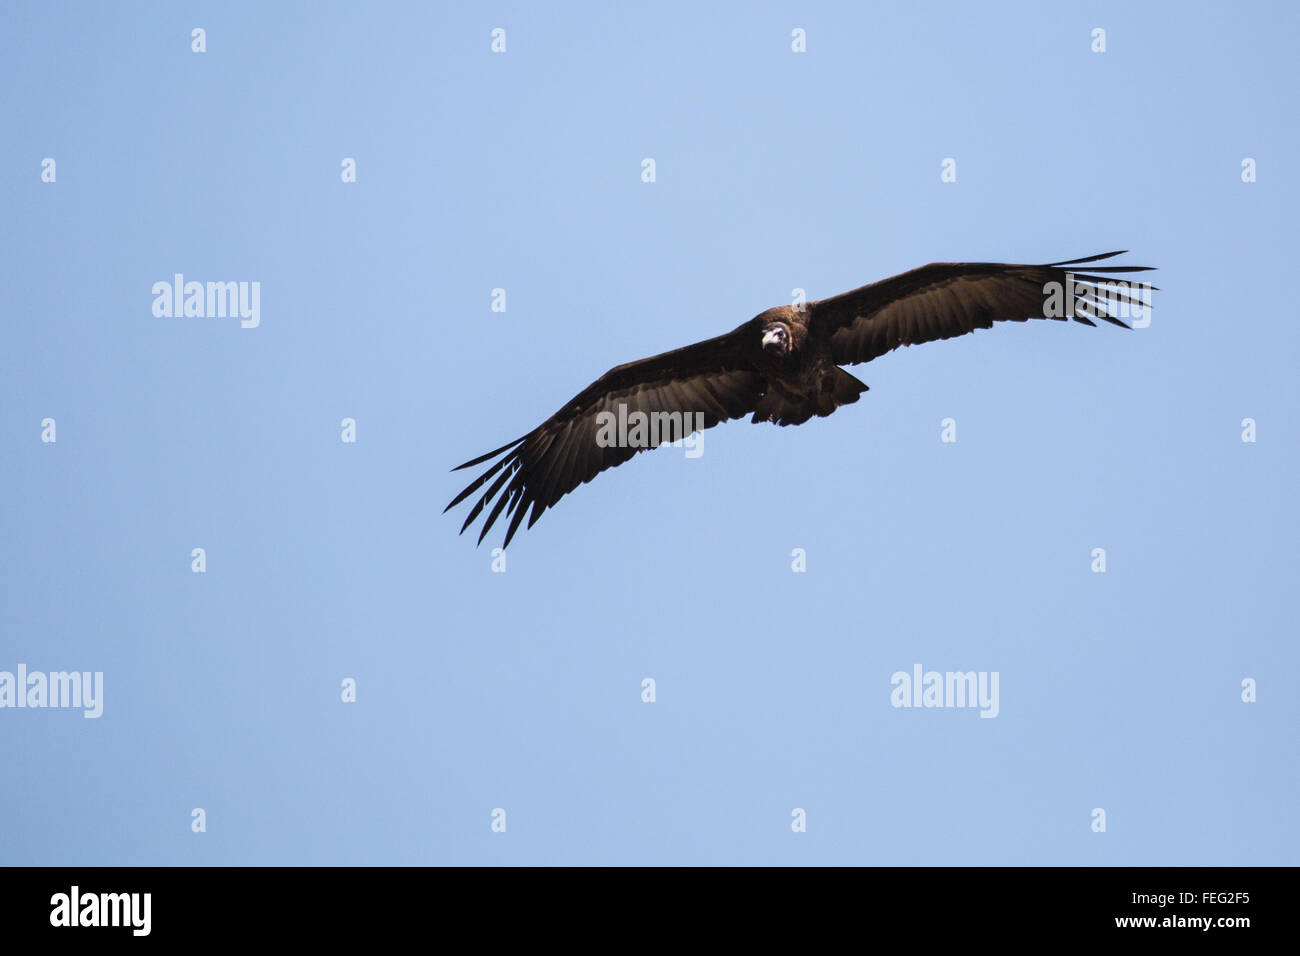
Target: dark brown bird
x,y
782,365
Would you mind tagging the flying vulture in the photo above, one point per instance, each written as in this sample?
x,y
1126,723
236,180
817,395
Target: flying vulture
x,y
782,366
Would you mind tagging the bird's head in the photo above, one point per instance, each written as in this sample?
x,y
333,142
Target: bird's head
x,y
776,339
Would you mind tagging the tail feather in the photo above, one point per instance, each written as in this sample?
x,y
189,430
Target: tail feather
x,y
783,409
847,388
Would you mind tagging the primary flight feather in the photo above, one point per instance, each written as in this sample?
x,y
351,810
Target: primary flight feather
x,y
782,366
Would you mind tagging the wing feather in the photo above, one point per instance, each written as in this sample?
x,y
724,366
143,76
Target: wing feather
x,y
716,378
946,299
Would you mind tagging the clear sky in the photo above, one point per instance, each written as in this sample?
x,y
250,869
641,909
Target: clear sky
x,y
328,560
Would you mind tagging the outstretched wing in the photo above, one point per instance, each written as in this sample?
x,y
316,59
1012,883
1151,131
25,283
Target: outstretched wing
x,y
945,299
715,378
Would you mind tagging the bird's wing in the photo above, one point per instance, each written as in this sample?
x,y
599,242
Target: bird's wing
x,y
715,378
945,299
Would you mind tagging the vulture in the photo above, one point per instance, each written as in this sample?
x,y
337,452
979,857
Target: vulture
x,y
781,366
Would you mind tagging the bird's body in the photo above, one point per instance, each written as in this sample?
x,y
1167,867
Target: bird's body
x,y
803,379
783,366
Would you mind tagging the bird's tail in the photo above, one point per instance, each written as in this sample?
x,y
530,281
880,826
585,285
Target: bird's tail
x,y
847,389
784,409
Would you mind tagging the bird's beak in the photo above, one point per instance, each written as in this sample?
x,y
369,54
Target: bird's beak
x,y
772,339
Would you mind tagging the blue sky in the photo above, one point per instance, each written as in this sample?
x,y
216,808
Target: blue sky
x,y
522,690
